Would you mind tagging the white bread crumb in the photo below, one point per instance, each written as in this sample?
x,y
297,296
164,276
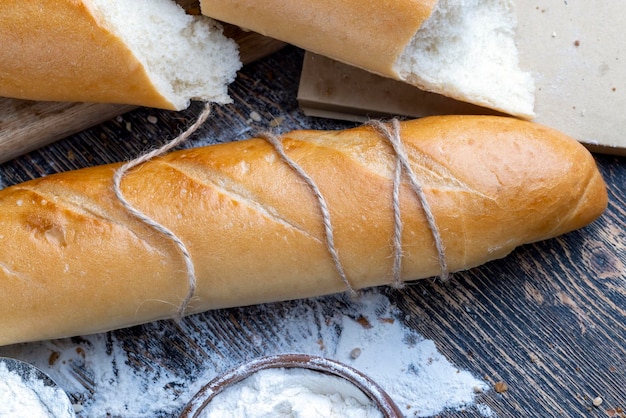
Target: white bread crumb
x,y
187,57
466,50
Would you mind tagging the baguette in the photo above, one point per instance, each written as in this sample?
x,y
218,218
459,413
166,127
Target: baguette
x,y
73,261
140,52
461,49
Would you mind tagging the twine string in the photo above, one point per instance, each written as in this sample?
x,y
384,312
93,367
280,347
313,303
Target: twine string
x,y
398,226
326,218
117,181
391,132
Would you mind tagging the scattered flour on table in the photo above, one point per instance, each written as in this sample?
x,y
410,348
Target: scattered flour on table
x,y
366,334
26,397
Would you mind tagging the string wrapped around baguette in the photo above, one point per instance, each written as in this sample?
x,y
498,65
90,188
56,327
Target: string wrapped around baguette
x,y
73,261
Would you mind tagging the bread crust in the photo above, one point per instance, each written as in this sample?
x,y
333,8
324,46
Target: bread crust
x,y
58,51
72,261
369,34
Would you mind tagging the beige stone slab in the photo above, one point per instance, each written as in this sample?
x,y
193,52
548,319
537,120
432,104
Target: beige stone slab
x,y
576,51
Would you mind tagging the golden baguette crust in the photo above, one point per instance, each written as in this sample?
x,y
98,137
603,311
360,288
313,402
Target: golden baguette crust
x,y
72,261
369,34
57,51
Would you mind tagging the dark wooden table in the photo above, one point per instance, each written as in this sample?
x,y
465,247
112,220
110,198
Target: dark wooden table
x,y
549,320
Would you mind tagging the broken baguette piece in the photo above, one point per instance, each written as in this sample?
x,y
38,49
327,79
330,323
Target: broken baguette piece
x,y
465,50
140,52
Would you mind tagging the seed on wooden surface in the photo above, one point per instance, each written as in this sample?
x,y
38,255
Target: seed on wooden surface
x,y
277,121
501,387
255,116
54,356
355,353
364,322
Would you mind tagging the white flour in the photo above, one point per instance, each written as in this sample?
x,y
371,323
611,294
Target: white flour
x,y
28,397
420,380
294,393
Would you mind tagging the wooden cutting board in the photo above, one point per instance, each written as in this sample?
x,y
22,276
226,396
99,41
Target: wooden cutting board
x,y
575,50
27,125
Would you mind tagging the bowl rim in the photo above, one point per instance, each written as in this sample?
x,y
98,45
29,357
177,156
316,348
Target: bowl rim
x,y
369,387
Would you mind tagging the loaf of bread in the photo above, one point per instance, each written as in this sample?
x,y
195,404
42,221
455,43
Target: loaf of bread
x,y
139,52
73,261
461,49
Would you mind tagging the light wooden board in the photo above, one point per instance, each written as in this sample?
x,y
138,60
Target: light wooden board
x,y
28,125
575,50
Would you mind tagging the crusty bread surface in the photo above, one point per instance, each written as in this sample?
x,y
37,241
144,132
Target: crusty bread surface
x,y
148,53
338,29
73,261
464,50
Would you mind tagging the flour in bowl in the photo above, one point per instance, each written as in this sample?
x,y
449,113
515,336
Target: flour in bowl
x,y
29,397
298,393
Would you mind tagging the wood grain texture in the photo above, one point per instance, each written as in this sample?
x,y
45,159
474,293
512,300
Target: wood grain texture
x,y
549,320
27,125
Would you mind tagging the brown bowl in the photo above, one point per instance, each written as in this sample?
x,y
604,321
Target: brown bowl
x,y
371,389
